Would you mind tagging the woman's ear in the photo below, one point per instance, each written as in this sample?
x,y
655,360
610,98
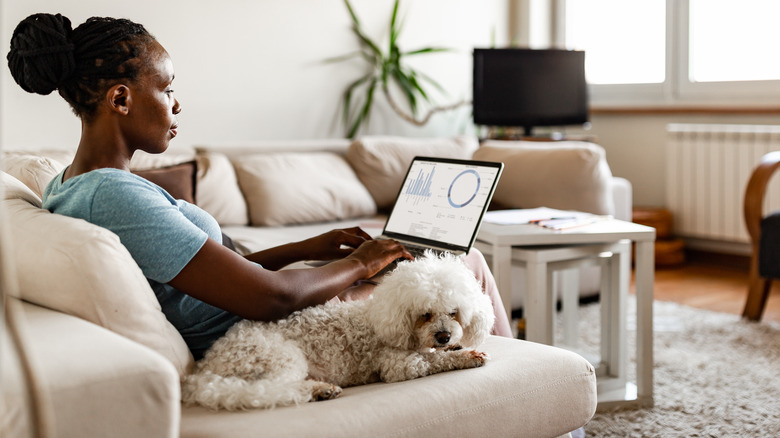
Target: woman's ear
x,y
119,99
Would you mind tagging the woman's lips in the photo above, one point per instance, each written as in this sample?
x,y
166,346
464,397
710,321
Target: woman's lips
x,y
174,130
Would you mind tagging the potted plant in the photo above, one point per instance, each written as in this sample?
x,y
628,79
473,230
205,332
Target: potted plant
x,y
387,69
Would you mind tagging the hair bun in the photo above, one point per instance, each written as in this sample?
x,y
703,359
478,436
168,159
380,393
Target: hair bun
x,y
41,56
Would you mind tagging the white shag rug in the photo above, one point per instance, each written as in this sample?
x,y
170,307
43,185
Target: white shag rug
x,y
715,376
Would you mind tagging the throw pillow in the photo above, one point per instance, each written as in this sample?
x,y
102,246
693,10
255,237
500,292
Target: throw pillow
x,y
568,175
290,188
218,191
381,162
179,180
77,268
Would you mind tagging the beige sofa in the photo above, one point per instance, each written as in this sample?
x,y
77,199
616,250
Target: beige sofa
x,y
110,362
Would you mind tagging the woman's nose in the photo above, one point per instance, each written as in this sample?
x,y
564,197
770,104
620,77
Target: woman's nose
x,y
176,107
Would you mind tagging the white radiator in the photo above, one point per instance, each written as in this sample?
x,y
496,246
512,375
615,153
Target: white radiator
x,y
707,169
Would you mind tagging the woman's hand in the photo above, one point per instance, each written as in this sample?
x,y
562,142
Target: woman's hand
x,y
335,244
377,254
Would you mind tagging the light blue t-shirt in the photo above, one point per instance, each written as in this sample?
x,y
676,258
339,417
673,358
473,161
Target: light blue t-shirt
x,y
161,233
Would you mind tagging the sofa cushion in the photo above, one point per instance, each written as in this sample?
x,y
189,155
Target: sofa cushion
x,y
179,180
15,189
77,268
568,175
290,188
173,172
525,390
382,162
32,169
218,191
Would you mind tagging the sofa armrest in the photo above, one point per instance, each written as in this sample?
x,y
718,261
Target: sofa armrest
x,y
100,383
622,196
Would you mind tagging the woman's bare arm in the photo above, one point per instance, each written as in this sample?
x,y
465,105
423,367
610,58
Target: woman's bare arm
x,y
222,278
335,244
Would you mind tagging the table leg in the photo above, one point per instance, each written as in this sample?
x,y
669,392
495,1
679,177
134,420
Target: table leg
x,y
538,313
501,267
621,271
645,278
607,323
570,287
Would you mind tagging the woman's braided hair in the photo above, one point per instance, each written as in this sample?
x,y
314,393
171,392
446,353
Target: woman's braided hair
x,y
82,63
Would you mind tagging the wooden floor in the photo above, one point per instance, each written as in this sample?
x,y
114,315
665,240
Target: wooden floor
x,y
714,282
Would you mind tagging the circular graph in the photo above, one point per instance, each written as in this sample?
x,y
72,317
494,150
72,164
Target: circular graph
x,y
464,188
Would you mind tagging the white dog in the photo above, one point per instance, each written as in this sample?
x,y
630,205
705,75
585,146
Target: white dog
x,y
424,317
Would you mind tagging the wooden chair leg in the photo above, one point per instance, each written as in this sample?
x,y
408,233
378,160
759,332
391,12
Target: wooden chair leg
x,y
758,293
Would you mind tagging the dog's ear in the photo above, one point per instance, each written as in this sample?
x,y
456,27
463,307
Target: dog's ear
x,y
390,319
478,326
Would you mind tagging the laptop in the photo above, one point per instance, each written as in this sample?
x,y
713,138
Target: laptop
x,y
441,204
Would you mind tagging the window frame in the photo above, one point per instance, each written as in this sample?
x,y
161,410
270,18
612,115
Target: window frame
x,y
677,89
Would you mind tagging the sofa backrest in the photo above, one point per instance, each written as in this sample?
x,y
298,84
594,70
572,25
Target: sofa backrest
x,y
566,175
237,150
74,267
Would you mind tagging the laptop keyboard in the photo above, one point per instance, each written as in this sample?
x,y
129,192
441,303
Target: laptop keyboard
x,y
419,251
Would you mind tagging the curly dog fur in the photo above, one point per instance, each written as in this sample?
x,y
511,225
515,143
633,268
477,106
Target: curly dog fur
x,y
425,317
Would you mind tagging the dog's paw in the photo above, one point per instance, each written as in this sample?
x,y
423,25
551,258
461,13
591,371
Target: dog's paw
x,y
325,391
475,358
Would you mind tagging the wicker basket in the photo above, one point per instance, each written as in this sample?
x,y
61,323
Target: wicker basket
x,y
669,251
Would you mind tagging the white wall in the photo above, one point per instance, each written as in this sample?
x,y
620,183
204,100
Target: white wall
x,y
252,69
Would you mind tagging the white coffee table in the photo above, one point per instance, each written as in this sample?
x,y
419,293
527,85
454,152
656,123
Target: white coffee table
x,y
504,244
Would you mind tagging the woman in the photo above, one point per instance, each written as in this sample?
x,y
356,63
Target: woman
x,y
118,80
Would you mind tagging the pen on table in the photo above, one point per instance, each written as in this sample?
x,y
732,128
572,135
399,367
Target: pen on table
x,y
536,221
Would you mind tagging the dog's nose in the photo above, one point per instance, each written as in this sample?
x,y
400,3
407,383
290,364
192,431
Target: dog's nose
x,y
442,337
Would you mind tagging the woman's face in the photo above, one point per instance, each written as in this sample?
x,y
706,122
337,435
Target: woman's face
x,y
152,117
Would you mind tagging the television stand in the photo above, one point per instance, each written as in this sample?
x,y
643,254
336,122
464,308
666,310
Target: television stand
x,y
512,133
542,138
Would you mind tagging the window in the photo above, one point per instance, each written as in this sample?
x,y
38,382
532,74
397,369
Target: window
x,y
676,51
733,41
637,56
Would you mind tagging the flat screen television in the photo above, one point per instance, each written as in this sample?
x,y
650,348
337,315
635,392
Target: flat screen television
x,y
529,88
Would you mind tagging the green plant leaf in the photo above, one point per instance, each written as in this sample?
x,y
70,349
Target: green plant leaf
x,y
345,57
406,86
385,71
367,41
394,31
433,82
348,96
427,50
412,76
356,28
364,112
352,14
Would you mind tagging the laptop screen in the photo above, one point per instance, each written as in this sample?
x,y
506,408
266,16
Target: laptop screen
x,y
441,202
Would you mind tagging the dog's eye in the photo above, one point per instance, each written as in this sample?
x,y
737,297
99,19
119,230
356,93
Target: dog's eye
x,y
426,317
453,313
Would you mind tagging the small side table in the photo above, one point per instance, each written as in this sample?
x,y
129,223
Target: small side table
x,y
542,262
505,243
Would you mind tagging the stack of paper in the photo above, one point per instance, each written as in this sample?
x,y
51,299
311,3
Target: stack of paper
x,y
543,217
